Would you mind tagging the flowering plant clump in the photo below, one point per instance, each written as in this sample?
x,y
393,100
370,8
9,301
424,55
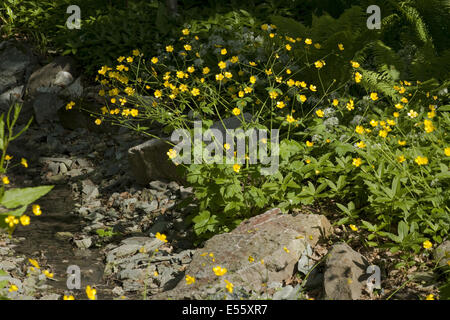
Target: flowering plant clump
x,y
15,201
381,155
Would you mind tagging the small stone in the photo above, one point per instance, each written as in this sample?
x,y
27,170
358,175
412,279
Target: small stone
x,y
118,291
63,236
83,243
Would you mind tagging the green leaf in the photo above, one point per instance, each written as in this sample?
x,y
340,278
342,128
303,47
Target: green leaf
x,y
14,198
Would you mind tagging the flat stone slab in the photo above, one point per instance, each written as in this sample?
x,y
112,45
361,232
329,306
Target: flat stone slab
x,y
262,250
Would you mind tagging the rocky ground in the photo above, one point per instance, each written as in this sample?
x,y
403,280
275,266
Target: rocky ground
x,y
113,195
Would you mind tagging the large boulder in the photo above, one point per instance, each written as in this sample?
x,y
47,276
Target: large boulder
x,y
15,62
149,161
345,273
52,78
275,243
442,254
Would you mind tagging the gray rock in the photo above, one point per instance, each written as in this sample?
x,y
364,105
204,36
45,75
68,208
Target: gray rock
x,y
89,189
64,236
287,293
7,265
132,274
13,65
305,263
149,161
259,237
442,254
147,208
53,296
46,106
345,273
118,291
84,243
52,77
9,97
74,90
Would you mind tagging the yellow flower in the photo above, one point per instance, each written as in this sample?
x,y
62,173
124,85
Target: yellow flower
x,y
13,288
358,77
350,105
290,82
302,98
169,48
8,157
70,105
374,96
154,60
158,94
48,274
319,113
288,71
195,92
335,102
353,227
252,79
288,47
404,100
130,59
136,52
37,210
253,64
319,64
383,133
155,274
401,158
341,46
161,237
265,27
251,259
312,88
34,263
234,59
421,160
430,297
5,180
236,168
219,271
229,286
226,146
402,143
273,94
134,112
98,122
187,47
354,64
359,129
308,41
185,32
290,118
24,162
91,293
236,111
361,145
428,126
396,114
280,104
309,143
68,297
11,221
447,151
268,72
222,65
25,220
223,51
427,244
286,249
190,280
103,70
412,114
357,162
373,123
228,75
219,77
248,89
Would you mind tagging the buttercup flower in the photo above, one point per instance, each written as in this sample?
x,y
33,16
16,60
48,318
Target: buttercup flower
x,y
36,210
91,293
421,160
190,280
357,162
219,271
236,167
427,244
229,286
161,237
